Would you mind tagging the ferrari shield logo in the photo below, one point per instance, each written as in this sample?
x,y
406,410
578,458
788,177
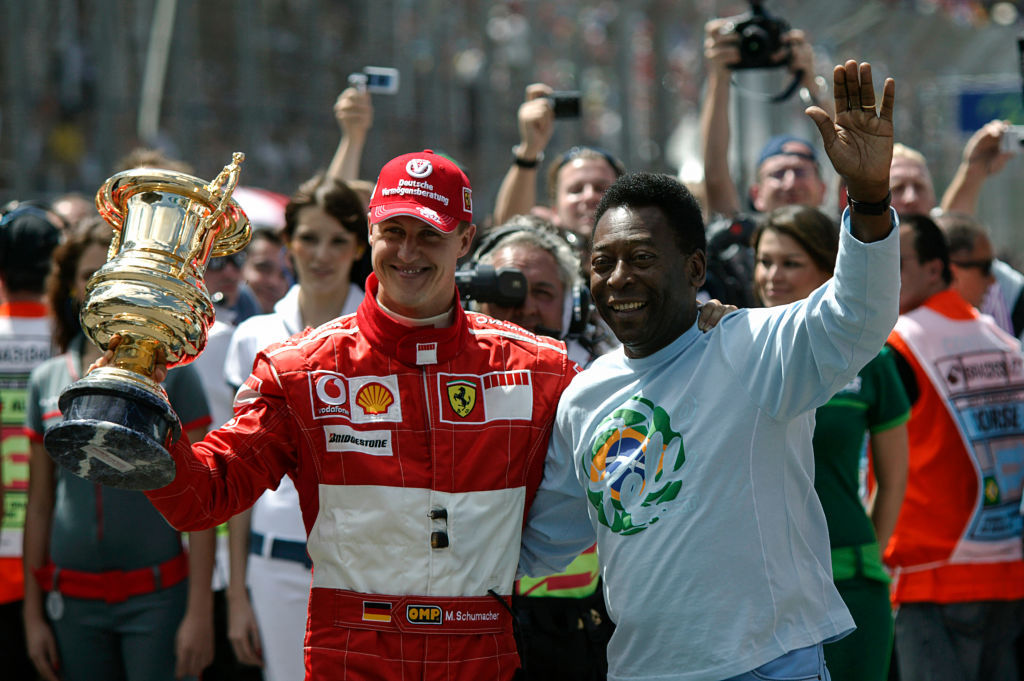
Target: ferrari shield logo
x,y
462,396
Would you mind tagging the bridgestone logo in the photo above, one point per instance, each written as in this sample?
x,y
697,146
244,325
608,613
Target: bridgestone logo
x,y
339,439
351,441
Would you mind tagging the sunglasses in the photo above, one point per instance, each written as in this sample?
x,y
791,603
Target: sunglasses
x,y
983,266
217,264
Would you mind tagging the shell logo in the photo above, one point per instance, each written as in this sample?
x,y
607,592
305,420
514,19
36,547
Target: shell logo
x,y
374,398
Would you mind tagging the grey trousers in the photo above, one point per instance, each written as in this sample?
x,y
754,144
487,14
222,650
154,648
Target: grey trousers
x,y
971,641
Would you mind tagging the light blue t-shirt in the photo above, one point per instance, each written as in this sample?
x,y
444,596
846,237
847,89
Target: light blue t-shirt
x,y
694,467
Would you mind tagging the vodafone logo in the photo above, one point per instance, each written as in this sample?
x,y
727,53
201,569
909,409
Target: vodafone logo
x,y
328,394
419,167
331,390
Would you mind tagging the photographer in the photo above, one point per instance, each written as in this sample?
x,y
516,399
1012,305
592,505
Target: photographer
x,y
535,247
576,179
798,180
787,171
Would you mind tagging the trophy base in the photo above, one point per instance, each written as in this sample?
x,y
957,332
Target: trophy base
x,y
113,434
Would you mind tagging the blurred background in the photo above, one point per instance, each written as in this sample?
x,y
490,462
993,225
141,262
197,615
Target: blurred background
x,y
85,81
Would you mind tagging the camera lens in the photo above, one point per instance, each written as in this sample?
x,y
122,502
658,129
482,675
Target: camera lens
x,y
754,41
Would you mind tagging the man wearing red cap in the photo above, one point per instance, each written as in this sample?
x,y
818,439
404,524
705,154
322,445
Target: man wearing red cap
x,y
416,435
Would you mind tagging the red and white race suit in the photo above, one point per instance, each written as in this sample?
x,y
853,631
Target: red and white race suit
x,y
416,452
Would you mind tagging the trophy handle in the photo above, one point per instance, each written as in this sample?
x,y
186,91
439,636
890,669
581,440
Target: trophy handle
x,y
220,187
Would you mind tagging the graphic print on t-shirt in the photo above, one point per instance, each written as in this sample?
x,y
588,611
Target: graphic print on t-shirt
x,y
636,465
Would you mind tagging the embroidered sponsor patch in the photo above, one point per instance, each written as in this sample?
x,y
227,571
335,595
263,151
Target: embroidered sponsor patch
x,y
374,611
328,393
462,396
419,167
373,399
424,614
467,199
426,353
345,439
497,396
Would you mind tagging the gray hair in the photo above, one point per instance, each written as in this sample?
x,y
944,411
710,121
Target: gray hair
x,y
530,230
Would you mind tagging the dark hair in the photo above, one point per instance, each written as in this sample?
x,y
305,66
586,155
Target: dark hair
x,y
961,231
64,301
272,236
28,235
816,232
929,242
580,152
339,201
673,199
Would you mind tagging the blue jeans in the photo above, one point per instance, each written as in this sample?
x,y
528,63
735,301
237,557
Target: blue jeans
x,y
971,641
802,664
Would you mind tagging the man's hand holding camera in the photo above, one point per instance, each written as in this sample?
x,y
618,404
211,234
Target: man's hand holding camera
x,y
536,118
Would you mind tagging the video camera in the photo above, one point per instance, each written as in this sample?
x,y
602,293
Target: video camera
x,y
505,286
760,38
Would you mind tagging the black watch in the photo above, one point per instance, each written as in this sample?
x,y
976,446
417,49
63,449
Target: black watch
x,y
525,162
869,207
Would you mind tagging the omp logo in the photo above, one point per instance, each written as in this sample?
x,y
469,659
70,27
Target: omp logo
x,y
636,467
419,167
424,614
328,394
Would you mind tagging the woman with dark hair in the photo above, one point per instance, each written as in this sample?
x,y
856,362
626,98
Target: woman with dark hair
x,y
325,233
796,249
109,591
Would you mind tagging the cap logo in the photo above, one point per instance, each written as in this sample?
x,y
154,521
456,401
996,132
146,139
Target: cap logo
x,y
419,167
467,199
428,213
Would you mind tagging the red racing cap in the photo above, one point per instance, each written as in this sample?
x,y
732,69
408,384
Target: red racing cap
x,y
423,185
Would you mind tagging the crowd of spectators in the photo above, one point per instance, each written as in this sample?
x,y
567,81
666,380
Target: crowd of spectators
x,y
917,455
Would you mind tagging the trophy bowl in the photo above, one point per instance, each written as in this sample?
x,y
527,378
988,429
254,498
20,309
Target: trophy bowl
x,y
118,422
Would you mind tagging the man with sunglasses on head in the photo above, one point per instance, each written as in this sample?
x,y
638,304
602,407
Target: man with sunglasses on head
x,y
576,179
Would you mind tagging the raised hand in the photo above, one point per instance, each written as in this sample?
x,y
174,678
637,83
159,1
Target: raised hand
x,y
536,121
859,140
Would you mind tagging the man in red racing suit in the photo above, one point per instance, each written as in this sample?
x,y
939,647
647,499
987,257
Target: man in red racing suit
x,y
416,450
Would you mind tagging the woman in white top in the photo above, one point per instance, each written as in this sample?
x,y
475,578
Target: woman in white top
x,y
325,232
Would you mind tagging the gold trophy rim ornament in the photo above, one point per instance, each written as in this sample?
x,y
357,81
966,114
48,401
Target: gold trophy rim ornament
x,y
118,422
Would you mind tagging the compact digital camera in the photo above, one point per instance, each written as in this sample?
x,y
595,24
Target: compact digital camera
x,y
1012,140
377,80
760,37
566,103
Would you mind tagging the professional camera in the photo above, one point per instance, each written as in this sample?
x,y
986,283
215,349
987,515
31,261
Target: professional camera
x,y
505,286
760,38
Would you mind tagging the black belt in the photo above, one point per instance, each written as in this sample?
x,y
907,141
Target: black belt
x,y
285,549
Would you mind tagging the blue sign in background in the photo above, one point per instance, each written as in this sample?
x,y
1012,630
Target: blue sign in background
x,y
978,107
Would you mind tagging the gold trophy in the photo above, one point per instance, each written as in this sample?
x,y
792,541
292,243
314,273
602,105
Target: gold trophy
x,y
167,225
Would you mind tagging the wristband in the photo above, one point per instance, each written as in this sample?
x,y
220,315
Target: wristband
x,y
524,162
869,207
